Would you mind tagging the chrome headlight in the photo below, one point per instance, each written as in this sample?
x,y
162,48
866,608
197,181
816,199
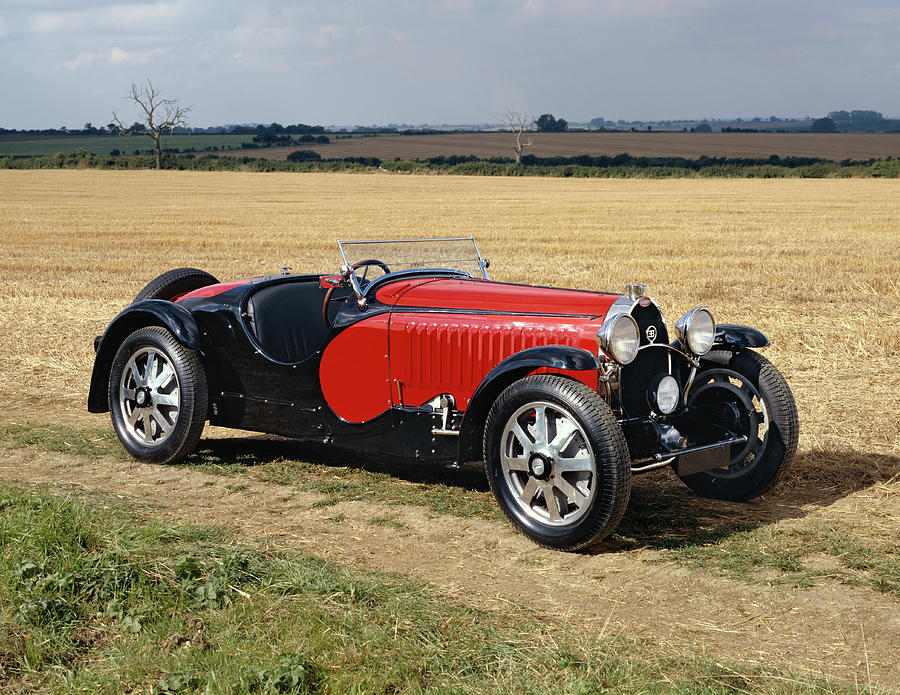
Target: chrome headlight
x,y
619,339
665,394
697,330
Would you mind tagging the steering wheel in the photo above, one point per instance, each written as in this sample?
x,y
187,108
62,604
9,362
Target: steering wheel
x,y
370,262
359,264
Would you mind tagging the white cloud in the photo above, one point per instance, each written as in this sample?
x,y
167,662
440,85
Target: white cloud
x,y
260,35
117,17
329,34
113,56
4,32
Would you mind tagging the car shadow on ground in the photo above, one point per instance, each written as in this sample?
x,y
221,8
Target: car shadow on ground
x,y
662,513
263,449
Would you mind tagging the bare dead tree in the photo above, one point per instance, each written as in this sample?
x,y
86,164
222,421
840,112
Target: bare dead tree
x,y
159,116
517,123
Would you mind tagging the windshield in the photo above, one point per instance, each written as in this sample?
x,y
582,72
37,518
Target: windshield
x,y
459,253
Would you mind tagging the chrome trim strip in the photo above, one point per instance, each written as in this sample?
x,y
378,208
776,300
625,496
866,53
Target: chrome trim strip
x,y
653,466
258,399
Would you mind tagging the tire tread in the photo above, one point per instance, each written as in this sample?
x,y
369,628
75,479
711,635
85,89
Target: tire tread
x,y
175,282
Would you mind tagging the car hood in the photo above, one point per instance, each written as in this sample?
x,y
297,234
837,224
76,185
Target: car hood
x,y
487,296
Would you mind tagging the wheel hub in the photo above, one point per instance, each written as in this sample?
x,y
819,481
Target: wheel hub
x,y
540,466
142,397
729,414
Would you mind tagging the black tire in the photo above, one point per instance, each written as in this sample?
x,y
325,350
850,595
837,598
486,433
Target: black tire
x,y
157,418
591,495
174,283
771,423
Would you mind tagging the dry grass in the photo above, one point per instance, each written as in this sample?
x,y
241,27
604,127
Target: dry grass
x,y
812,263
836,146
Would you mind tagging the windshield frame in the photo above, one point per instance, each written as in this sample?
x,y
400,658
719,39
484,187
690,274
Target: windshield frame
x,y
349,273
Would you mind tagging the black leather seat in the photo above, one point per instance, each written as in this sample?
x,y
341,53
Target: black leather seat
x,y
286,319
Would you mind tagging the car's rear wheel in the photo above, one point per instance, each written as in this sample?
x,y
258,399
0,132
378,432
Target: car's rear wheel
x,y
174,283
738,390
157,396
557,462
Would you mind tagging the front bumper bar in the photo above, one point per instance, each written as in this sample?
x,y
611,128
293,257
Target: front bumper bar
x,y
693,459
700,447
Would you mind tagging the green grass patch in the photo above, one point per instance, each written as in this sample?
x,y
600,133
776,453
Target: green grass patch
x,y
68,440
800,556
96,600
340,475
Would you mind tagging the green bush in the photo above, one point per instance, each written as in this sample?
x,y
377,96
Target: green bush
x,y
887,168
304,156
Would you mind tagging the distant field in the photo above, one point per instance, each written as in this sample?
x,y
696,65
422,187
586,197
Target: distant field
x,y
125,145
837,146
858,146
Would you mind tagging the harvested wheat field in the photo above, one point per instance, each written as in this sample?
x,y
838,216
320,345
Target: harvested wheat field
x,y
805,580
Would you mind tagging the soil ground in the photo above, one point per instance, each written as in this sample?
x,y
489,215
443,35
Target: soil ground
x,y
832,629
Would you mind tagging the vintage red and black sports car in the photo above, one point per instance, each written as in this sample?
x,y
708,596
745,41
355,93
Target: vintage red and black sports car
x,y
411,350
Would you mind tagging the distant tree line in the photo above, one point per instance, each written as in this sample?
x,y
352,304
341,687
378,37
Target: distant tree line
x,y
269,138
619,166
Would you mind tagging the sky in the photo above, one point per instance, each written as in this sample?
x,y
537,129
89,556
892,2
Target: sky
x,y
348,62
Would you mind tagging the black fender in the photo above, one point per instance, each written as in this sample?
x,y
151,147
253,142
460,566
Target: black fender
x,y
740,336
151,312
503,374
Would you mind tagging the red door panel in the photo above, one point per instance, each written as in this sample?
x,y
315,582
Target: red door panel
x,y
354,371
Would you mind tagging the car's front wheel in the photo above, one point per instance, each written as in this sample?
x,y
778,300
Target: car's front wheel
x,y
557,461
740,391
157,396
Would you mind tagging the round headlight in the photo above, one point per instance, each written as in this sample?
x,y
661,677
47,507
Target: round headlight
x,y
667,395
697,330
620,339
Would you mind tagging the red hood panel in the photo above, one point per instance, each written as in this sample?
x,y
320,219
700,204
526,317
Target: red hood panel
x,y
469,295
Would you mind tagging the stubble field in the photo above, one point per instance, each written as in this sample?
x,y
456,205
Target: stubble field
x,y
806,580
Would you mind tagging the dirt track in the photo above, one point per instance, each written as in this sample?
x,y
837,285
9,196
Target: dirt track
x,y
832,629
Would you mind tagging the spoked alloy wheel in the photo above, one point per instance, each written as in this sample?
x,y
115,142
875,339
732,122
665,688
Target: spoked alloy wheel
x,y
557,462
157,396
149,396
548,463
739,391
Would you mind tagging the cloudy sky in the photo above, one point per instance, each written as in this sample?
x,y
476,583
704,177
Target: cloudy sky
x,y
65,62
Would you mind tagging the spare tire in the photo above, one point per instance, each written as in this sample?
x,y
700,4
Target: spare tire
x,y
174,283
